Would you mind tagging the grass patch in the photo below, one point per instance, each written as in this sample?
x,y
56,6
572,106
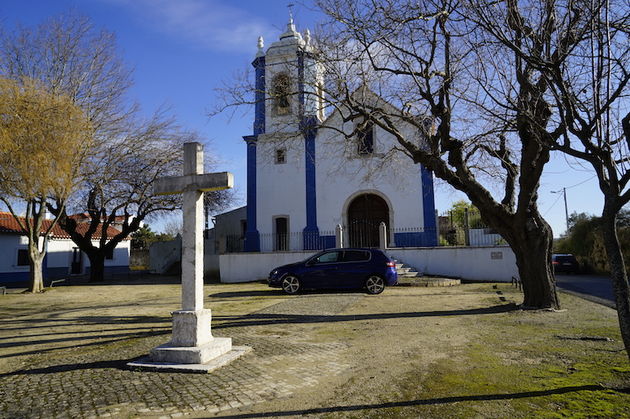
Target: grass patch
x,y
520,367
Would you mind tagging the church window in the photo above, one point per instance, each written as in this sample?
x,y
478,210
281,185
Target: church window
x,y
280,91
281,155
365,139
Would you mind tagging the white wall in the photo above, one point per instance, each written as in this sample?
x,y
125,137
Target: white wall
x,y
280,187
59,254
245,267
9,243
496,263
342,174
493,263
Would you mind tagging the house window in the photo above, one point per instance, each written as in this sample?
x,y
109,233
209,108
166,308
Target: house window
x,y
281,156
280,92
22,257
365,139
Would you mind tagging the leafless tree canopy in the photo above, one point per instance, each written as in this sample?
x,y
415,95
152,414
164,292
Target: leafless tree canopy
x,y
505,84
70,57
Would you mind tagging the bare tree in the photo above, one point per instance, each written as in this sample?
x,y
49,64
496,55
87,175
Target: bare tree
x,y
581,51
479,115
117,191
37,129
69,56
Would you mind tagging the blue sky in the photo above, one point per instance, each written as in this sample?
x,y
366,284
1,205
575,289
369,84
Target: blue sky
x,y
181,50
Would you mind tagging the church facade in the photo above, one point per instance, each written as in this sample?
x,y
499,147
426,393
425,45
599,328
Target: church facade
x,y
305,177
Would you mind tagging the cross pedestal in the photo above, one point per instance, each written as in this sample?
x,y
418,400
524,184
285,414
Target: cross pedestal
x,y
192,341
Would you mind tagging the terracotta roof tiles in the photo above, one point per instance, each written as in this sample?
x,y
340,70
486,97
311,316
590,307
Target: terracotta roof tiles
x,y
8,224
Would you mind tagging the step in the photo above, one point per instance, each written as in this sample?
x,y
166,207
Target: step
x,y
428,282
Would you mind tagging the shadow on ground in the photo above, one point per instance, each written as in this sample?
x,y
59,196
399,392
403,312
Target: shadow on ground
x,y
119,364
263,319
77,342
426,402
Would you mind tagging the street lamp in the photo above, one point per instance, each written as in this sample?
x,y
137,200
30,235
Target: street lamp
x,y
566,209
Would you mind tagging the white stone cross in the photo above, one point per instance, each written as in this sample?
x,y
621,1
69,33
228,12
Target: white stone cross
x,y
192,185
192,342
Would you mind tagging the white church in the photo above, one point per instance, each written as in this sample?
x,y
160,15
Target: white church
x,y
304,178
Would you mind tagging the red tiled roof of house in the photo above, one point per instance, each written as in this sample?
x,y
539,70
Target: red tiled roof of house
x,y
8,224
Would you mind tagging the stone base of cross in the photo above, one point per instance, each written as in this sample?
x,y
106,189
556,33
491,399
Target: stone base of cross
x,y
192,342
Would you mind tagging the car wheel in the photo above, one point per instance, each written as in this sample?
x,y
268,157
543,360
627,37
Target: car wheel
x,y
290,284
375,284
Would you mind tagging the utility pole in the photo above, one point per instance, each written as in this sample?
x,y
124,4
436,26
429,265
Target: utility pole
x,y
566,208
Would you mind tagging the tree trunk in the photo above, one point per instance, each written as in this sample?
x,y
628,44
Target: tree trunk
x,y
36,277
618,273
97,266
532,247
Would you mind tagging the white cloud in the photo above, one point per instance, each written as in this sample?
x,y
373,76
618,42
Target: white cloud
x,y
208,24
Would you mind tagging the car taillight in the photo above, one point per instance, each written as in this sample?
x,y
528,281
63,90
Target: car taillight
x,y
555,262
391,264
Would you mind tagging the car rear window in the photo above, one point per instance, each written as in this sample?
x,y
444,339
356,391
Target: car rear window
x,y
355,256
562,259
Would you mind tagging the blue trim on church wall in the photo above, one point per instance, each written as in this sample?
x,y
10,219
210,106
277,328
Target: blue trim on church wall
x,y
311,230
309,128
259,115
252,236
428,208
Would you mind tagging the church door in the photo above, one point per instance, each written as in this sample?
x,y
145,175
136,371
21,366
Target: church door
x,y
365,213
282,234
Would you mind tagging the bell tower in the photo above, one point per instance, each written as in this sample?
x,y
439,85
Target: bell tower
x,y
288,110
293,79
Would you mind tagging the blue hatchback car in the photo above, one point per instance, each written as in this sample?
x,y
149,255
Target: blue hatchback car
x,y
337,268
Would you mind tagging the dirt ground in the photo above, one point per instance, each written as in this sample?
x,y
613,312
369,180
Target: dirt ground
x,y
463,351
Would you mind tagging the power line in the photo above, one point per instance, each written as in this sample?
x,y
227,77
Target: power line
x,y
578,184
552,205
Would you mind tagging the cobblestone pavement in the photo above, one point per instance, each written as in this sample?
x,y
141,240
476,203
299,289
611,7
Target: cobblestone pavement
x,y
100,385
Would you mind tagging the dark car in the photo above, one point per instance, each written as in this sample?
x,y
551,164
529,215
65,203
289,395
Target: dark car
x,y
337,268
565,263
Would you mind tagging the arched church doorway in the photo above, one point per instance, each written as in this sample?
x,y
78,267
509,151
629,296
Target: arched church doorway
x,y
365,213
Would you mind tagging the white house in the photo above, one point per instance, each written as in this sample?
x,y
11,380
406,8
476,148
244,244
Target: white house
x,y
304,178
63,257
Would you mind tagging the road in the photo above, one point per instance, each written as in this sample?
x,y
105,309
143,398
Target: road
x,y
593,287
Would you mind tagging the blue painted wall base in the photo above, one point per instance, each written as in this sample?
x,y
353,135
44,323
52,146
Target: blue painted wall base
x,y
252,241
313,241
425,239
